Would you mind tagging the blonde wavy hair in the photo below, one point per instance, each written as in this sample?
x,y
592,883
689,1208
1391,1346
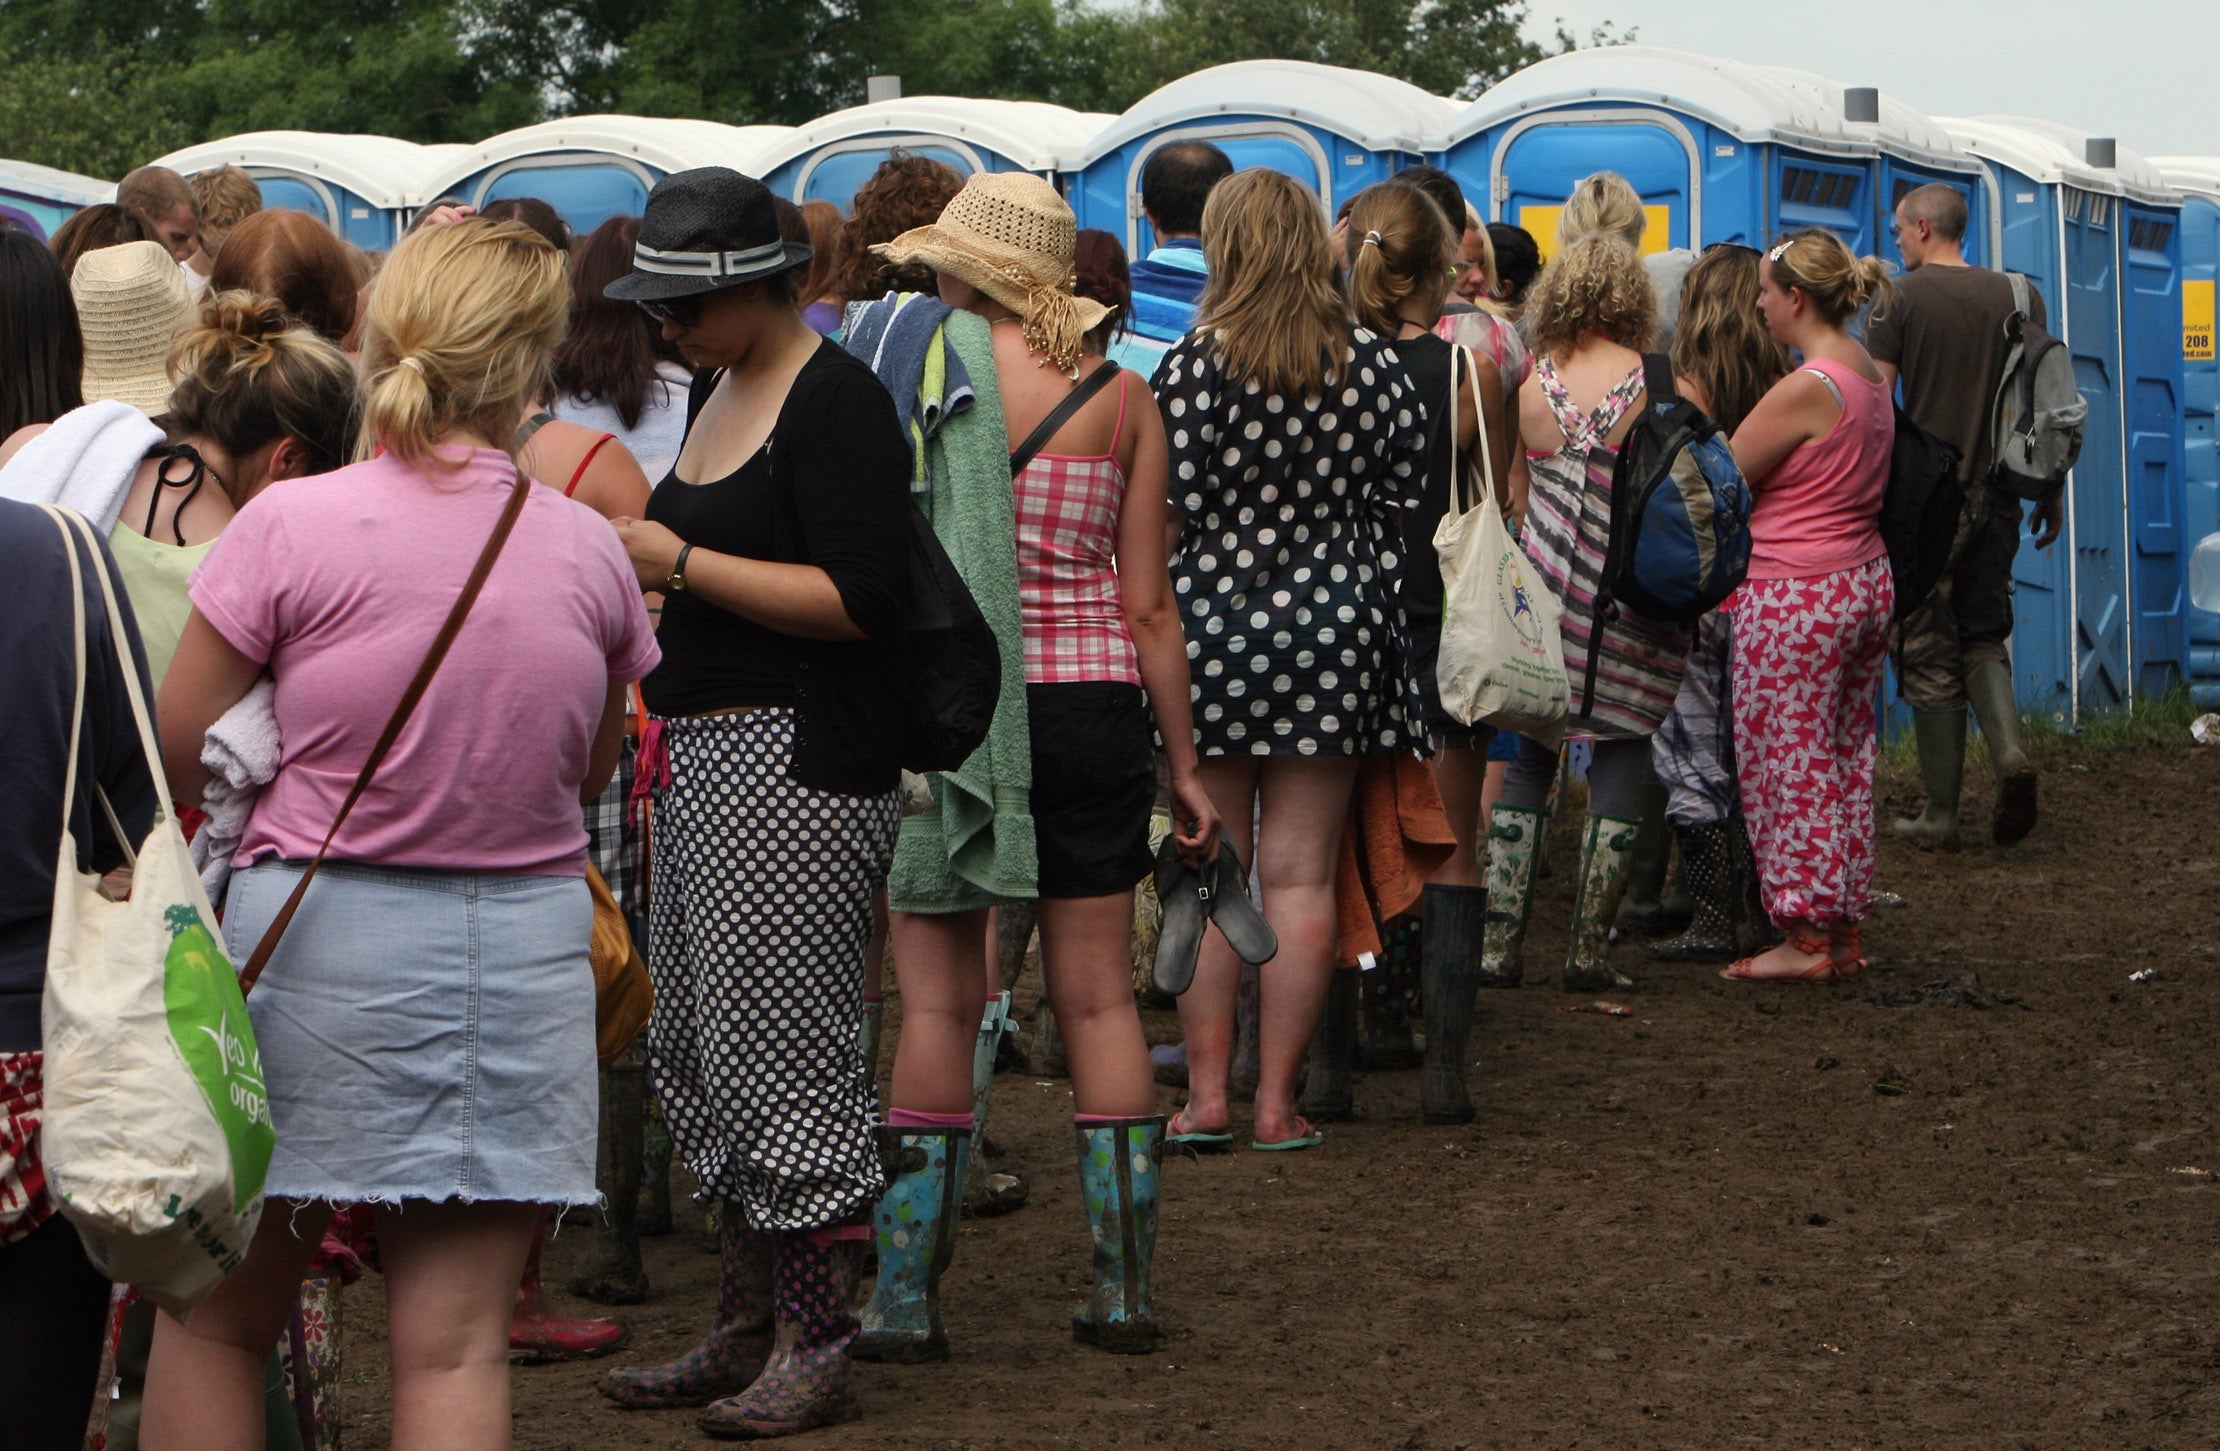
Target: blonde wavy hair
x,y
1722,343
1596,285
1398,239
460,327
1816,263
1603,205
1274,303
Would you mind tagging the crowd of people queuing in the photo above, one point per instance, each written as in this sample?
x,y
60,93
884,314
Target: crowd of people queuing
x,y
1194,496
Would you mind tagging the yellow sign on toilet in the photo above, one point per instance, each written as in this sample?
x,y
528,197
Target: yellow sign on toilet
x,y
2196,322
1657,233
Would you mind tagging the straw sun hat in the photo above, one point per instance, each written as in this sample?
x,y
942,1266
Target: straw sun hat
x,y
131,303
1010,235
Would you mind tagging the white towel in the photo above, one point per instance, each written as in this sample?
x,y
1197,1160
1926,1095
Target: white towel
x,y
84,461
242,749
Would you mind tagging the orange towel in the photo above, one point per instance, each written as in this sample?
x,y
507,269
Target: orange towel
x,y
1397,836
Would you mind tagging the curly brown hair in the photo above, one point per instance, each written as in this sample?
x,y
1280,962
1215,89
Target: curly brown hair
x,y
906,191
1596,285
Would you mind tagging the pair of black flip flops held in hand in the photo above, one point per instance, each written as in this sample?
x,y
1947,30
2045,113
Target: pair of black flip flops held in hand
x,y
1195,897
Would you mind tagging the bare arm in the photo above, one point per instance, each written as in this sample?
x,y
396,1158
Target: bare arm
x,y
794,599
1502,416
613,485
1152,614
601,766
1793,411
208,676
1888,374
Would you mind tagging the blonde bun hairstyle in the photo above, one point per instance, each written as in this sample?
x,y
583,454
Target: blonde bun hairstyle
x,y
460,327
1816,263
247,374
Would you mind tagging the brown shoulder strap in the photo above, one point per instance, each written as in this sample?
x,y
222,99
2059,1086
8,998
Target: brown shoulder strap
x,y
401,713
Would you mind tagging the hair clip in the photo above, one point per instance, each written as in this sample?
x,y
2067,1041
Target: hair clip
x,y
1780,249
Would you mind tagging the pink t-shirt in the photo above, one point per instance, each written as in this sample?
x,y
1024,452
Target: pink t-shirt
x,y
1819,510
339,582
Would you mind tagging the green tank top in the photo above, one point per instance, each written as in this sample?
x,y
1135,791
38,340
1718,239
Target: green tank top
x,y
154,576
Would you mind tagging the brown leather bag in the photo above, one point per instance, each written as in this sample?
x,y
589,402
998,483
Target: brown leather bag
x,y
623,995
616,994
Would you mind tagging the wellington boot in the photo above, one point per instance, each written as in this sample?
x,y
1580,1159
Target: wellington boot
x,y
655,1170
1606,851
538,1332
1642,910
914,1226
1384,1023
739,1340
1329,1083
868,1030
1989,688
611,1272
1456,927
1709,871
808,1381
1941,738
1754,927
1119,1164
1514,842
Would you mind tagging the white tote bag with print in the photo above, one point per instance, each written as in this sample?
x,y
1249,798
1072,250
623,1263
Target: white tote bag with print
x,y
156,1132
1501,661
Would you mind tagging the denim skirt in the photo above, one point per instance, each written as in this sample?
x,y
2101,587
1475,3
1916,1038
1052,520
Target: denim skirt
x,y
426,1035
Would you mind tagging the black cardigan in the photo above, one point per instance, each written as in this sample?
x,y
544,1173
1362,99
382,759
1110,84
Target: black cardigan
x,y
839,489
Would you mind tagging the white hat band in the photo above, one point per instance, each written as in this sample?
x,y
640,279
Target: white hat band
x,y
703,264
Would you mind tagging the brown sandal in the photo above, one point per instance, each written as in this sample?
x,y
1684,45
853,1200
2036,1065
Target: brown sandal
x,y
1847,949
1820,971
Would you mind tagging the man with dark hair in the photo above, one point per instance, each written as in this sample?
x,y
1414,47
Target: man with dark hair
x,y
1168,282
1943,335
165,201
1518,261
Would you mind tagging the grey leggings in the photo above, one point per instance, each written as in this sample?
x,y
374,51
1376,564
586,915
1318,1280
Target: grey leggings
x,y
1616,776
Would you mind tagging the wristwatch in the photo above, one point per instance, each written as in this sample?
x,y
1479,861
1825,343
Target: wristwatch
x,y
676,584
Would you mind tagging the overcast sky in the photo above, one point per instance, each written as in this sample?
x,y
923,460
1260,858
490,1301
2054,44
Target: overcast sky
x,y
2146,72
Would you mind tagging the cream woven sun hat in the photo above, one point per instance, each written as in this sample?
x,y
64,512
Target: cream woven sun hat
x,y
1010,235
131,304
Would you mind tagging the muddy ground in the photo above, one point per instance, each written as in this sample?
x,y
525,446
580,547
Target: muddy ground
x,y
1743,1216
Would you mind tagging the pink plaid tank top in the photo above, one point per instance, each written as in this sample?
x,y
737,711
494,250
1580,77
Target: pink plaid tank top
x,y
1067,536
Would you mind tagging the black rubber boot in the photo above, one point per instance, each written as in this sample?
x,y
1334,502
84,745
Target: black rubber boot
x,y
611,1273
1709,872
1456,924
1384,1026
1756,928
1329,1084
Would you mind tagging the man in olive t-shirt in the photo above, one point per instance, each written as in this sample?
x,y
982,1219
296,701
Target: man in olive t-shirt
x,y
1943,335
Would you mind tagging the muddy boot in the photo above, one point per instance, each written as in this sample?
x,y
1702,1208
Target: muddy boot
x,y
1456,926
611,1273
1709,869
1642,910
1046,1060
1241,1077
1755,927
1514,843
868,1029
1606,850
1384,1026
1989,688
655,1171
739,1339
914,1226
987,1192
1941,738
1329,1089
1014,923
539,1333
1118,1164
809,1381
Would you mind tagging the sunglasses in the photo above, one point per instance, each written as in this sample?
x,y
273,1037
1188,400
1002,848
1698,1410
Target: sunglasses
x,y
677,311
1729,247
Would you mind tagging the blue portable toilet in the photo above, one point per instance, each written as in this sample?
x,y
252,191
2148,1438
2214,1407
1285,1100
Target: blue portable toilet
x,y
592,168
830,158
2070,602
2144,229
362,187
1336,131
40,198
2197,180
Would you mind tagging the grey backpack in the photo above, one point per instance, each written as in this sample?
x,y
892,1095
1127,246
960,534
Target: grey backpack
x,y
2039,412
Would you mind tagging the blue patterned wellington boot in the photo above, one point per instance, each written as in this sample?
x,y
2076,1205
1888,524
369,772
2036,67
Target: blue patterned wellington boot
x,y
915,1228
1118,1167
992,1025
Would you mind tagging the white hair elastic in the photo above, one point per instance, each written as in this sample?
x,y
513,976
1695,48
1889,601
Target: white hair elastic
x,y
1372,239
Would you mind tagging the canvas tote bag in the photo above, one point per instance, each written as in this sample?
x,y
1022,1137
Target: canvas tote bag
x,y
1501,662
157,1130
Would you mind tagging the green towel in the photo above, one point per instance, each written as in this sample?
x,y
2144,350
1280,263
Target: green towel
x,y
975,848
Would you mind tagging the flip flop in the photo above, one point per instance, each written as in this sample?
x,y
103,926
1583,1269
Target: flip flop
x,y
1308,1140
1198,1141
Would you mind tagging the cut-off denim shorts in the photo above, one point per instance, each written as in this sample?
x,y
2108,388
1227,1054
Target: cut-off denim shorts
x,y
426,1035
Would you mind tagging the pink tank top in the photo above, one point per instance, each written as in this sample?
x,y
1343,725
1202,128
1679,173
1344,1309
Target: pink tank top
x,y
1819,510
1067,539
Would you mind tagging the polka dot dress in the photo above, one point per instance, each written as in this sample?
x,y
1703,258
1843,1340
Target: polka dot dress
x,y
1289,562
760,908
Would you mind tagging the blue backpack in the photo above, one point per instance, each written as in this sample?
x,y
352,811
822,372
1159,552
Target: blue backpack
x,y
1680,515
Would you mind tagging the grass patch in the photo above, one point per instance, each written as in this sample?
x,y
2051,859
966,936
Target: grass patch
x,y
2160,720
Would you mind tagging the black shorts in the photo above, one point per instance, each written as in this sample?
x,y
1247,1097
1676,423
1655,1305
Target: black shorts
x,y
1094,781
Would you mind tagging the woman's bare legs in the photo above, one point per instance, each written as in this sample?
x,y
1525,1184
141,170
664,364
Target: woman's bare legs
x,y
1460,775
204,1375
940,960
1086,961
450,1282
1305,803
1206,1008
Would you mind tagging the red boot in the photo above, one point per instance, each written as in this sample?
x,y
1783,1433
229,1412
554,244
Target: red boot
x,y
537,1334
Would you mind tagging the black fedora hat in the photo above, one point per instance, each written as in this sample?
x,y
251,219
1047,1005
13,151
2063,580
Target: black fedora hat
x,y
703,230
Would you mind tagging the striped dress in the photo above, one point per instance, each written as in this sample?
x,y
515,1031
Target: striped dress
x,y
1568,525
